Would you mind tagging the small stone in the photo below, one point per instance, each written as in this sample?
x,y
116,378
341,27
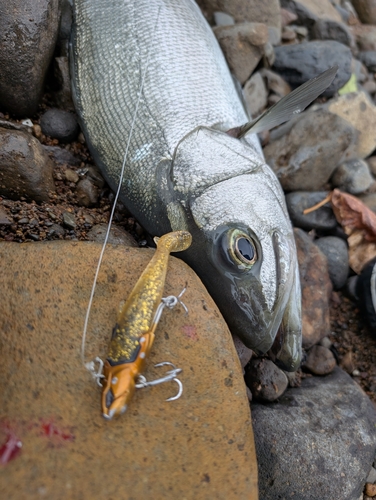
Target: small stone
x,y
69,220
223,19
56,230
117,236
266,381
370,489
326,342
326,29
355,373
63,96
352,176
371,161
242,45
336,251
59,124
71,175
87,193
5,218
288,34
347,363
287,17
372,476
320,360
37,130
244,353
369,86
322,219
255,94
369,200
368,58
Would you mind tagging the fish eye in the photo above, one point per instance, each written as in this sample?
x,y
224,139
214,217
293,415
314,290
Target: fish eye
x,y
242,248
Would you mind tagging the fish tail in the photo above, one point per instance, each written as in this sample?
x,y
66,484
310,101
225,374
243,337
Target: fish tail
x,y
175,242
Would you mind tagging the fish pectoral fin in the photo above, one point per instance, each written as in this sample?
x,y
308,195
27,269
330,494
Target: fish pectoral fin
x,y
290,105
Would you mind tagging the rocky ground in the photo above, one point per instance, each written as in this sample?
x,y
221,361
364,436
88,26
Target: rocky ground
x,y
51,190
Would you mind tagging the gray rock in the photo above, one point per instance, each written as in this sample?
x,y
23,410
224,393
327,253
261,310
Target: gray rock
x,y
243,46
265,380
371,478
28,34
63,95
87,192
117,236
310,11
371,162
65,27
366,10
368,58
317,442
56,231
326,342
223,19
300,62
322,219
316,289
69,220
369,200
326,29
25,168
255,94
305,157
320,360
352,176
336,251
62,156
60,125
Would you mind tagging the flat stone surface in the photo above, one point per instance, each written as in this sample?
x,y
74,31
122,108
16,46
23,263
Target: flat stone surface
x,y
200,446
317,442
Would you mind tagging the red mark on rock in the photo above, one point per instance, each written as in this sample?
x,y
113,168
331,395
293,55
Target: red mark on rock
x,y
10,449
190,332
51,430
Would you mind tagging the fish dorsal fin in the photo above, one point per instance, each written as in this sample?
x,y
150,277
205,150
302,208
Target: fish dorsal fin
x,y
290,105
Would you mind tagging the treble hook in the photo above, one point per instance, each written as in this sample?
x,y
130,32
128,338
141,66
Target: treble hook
x,y
170,376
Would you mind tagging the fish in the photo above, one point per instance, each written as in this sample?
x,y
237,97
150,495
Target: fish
x,y
151,72
134,331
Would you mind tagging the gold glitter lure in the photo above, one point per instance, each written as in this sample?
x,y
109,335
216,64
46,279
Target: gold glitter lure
x,y
133,334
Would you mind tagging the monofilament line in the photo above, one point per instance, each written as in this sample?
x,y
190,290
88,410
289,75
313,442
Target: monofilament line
x,y
116,198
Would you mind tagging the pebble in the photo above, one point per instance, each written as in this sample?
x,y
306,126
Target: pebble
x,y
223,19
316,290
320,360
117,236
213,414
255,94
305,157
243,46
368,58
325,425
71,175
265,380
25,168
369,200
244,353
87,192
365,37
300,62
322,219
336,251
352,176
59,124
326,342
29,31
69,220
326,29
56,230
366,10
371,476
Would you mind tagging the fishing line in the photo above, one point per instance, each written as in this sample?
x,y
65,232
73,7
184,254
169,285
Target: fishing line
x,y
89,366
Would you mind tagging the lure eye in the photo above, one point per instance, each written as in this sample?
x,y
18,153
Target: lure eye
x,y
242,249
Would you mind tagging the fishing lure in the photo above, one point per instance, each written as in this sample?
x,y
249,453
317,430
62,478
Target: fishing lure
x,y
133,334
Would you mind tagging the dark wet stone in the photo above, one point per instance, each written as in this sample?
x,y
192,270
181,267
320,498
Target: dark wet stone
x,y
69,220
316,289
25,169
28,34
60,125
117,236
300,62
265,380
352,176
368,58
366,291
326,29
62,156
322,219
320,360
87,192
325,425
336,251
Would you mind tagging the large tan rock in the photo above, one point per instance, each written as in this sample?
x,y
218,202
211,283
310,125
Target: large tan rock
x,y
200,446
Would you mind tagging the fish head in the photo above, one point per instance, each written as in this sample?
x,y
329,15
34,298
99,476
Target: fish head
x,y
243,244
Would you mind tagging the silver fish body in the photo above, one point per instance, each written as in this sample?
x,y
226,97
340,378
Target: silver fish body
x,y
183,172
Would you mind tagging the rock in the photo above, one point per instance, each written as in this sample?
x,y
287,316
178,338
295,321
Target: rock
x,y
28,34
322,219
358,111
370,489
275,83
63,95
56,231
255,94
266,12
5,218
300,62
316,290
371,161
60,125
65,28
326,342
326,29
287,17
71,175
53,404
366,10
244,353
369,87
265,380
310,11
369,200
347,363
223,19
371,478
62,156
87,192
242,45
368,58
117,236
352,176
25,169
320,360
366,291
365,36
336,251
325,425
69,220
306,156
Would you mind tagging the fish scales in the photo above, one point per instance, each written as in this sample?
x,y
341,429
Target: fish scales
x,y
183,172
